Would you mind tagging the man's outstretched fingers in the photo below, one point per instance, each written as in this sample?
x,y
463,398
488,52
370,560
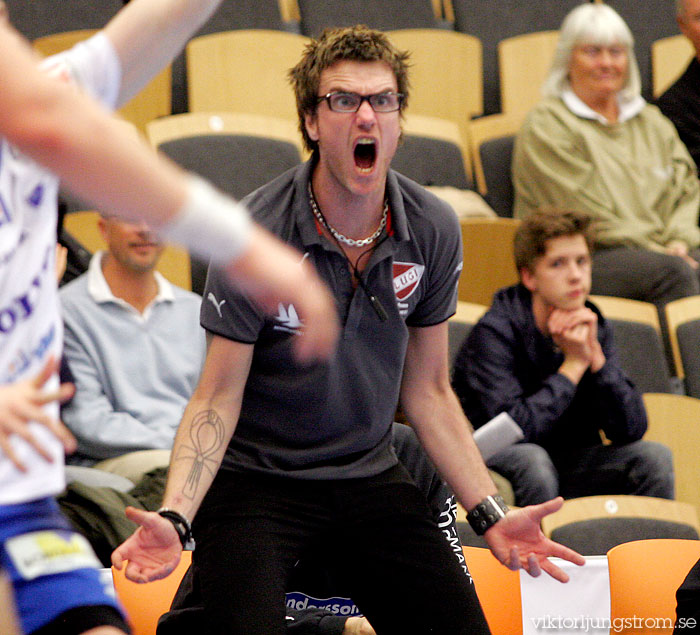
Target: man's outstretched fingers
x,y
137,515
553,570
513,561
533,566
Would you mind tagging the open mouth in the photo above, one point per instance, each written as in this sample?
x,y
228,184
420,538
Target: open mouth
x,y
365,154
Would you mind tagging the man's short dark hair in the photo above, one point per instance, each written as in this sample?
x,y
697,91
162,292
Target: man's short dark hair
x,y
536,229
356,44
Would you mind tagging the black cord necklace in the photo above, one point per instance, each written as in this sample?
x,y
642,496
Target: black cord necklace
x,y
373,299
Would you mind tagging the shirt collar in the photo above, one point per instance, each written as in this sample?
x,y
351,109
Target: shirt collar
x,y
629,107
99,289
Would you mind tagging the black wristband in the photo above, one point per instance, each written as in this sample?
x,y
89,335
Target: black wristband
x,y
487,513
182,527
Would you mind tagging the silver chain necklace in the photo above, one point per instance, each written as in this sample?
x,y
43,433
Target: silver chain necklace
x,y
363,242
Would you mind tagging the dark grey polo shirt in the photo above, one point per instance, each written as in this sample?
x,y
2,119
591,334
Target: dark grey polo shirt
x,y
333,419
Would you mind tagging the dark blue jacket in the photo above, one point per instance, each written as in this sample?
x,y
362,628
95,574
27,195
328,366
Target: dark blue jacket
x,y
507,364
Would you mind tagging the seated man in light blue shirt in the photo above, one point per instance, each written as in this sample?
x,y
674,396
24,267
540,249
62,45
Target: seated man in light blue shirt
x,y
135,347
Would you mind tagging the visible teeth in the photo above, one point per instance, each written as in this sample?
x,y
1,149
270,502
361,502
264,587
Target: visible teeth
x,y
364,159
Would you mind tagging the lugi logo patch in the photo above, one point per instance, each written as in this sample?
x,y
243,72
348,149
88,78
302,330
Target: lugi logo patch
x,y
407,275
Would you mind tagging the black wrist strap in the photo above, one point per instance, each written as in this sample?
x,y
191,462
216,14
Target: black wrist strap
x,y
487,513
182,527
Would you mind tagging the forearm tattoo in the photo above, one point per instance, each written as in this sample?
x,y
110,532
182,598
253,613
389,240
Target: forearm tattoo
x,y
206,435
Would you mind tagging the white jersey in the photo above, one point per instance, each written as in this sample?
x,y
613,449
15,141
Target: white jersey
x,y
31,329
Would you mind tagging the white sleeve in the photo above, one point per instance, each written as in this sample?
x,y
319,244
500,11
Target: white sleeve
x,y
93,65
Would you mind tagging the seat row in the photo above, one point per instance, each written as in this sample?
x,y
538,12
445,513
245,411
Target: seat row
x,y
592,525
246,70
502,592
489,21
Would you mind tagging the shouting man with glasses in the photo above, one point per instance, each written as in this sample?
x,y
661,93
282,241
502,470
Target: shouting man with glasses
x,y
274,456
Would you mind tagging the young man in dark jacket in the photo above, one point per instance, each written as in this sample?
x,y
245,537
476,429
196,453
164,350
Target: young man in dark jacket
x,y
544,354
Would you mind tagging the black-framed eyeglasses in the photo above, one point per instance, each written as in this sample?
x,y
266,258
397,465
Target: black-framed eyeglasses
x,y
350,102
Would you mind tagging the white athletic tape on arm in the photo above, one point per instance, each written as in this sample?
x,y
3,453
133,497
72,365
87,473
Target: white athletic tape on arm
x,y
210,224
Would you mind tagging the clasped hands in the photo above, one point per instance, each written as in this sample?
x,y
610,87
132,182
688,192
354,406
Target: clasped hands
x,y
575,332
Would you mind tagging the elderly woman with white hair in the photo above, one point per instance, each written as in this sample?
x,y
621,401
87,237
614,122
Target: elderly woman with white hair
x,y
593,144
